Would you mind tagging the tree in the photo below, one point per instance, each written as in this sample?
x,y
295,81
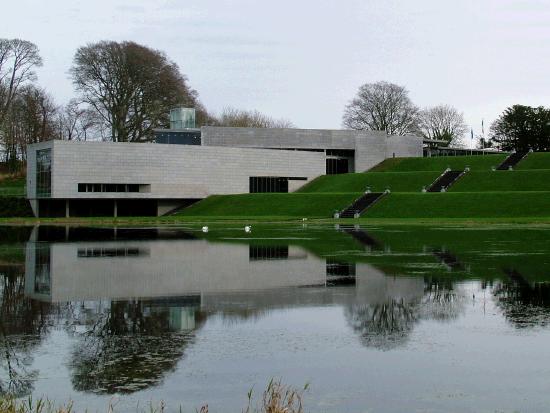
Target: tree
x,y
75,122
18,59
30,119
522,128
443,122
250,119
131,87
382,106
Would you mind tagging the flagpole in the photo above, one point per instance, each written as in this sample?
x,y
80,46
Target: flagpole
x,y
483,136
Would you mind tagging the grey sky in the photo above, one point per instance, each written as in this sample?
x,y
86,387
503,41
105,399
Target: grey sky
x,y
304,59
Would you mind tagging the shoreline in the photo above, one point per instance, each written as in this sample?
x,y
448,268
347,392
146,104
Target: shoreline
x,y
220,221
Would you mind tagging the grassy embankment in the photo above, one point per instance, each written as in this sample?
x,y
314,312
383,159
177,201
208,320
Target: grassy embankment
x,y
12,197
482,194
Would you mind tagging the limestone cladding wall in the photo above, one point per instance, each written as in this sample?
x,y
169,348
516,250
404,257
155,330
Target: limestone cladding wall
x,y
282,138
370,147
173,171
404,146
369,151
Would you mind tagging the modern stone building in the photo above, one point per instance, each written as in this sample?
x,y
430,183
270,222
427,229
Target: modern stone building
x,y
184,165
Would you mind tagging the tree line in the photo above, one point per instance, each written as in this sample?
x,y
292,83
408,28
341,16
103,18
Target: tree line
x,y
123,91
387,107
384,106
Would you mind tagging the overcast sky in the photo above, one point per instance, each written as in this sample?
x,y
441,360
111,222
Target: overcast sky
x,y
305,59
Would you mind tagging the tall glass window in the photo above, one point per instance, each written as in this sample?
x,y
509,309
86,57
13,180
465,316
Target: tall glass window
x,y
44,173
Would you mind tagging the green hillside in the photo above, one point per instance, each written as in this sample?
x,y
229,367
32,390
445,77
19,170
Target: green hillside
x,y
12,187
503,181
462,205
475,163
481,193
378,182
293,205
536,160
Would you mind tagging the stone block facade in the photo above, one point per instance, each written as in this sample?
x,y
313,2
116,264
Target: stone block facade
x,y
222,164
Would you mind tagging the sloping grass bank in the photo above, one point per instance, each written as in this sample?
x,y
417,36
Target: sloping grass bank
x,y
503,181
475,163
294,205
12,186
462,205
15,207
536,160
378,182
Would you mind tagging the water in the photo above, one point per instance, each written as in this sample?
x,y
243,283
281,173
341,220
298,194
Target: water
x,y
375,319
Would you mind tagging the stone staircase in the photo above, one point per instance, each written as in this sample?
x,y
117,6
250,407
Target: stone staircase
x,y
512,160
361,204
442,183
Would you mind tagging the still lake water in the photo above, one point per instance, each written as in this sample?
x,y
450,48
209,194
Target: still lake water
x,y
388,319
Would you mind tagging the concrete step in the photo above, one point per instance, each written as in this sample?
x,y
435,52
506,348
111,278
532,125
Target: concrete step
x,y
512,160
361,204
442,183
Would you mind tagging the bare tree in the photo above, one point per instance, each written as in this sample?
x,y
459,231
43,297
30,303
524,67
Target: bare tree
x,y
18,59
131,87
30,119
382,106
251,119
77,121
443,122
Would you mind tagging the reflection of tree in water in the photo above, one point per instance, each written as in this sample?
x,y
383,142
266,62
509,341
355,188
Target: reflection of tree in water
x,y
23,323
384,326
441,301
387,325
523,304
127,348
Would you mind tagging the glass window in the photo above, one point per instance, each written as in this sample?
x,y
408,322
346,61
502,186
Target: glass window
x,y
44,173
114,188
262,184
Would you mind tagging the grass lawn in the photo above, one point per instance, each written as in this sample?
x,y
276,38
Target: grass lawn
x,y
526,180
536,160
378,182
476,163
292,205
12,187
462,205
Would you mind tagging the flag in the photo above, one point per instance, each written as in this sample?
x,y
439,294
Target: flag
x,y
472,133
482,128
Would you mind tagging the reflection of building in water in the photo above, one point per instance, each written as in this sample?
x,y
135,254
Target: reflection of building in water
x,y
118,265
340,273
139,301
23,325
90,270
127,346
232,278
